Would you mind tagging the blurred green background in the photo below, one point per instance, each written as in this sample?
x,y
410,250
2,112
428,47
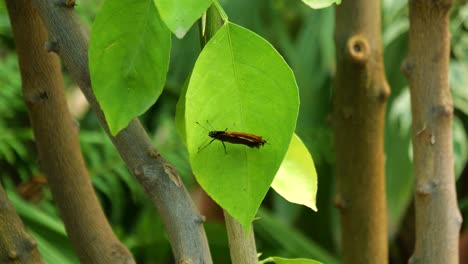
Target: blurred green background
x,y
305,38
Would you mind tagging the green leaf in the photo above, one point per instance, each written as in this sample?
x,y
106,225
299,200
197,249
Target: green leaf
x,y
279,260
460,146
296,179
288,240
179,15
240,82
128,59
317,4
458,74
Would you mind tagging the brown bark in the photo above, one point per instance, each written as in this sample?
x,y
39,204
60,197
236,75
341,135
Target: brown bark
x,y
16,244
159,179
56,136
437,216
359,100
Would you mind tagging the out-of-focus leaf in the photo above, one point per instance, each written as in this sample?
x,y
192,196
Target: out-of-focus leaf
x,y
291,242
398,165
460,146
279,260
296,180
317,4
458,81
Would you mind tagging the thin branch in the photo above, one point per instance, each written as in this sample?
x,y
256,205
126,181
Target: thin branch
x,y
241,245
57,142
16,244
159,179
359,100
437,216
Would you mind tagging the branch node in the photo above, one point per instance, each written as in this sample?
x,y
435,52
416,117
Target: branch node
x,y
13,255
52,46
358,49
407,67
65,3
171,171
426,188
33,98
186,261
200,219
339,202
443,111
383,92
138,172
154,154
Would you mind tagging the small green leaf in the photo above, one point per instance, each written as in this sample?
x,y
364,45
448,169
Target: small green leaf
x,y
128,59
296,179
460,146
239,82
279,260
179,15
318,4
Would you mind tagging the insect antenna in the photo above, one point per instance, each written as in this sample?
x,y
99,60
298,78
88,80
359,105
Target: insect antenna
x,y
202,126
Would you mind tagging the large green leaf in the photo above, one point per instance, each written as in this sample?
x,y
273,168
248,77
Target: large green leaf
x,y
239,82
128,59
179,15
296,179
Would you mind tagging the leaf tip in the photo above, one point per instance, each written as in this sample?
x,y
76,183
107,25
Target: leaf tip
x,y
180,32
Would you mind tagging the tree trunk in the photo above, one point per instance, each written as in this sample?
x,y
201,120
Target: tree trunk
x,y
159,179
359,100
56,135
437,217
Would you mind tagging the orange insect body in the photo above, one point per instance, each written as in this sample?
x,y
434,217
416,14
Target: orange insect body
x,y
249,140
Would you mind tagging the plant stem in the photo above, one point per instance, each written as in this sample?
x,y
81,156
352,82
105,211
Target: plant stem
x,y
359,100
437,218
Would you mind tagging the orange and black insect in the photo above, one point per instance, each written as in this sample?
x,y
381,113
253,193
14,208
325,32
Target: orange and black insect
x,y
249,140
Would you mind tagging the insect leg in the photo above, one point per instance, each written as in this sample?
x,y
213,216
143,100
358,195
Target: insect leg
x,y
225,152
202,147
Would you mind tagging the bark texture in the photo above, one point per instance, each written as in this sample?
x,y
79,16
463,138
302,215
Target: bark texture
x,y
56,135
437,216
16,244
241,245
359,100
159,179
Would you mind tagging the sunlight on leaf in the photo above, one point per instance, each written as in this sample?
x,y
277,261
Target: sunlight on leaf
x,y
296,179
317,4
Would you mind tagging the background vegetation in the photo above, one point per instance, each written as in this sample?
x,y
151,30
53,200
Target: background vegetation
x,y
305,38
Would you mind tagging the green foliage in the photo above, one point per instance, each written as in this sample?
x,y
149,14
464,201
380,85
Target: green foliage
x,y
239,82
304,37
179,15
128,59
